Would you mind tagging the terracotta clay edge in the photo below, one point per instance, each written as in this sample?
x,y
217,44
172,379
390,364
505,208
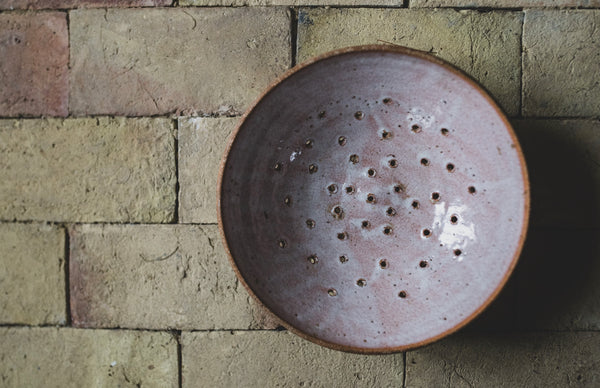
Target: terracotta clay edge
x,y
379,48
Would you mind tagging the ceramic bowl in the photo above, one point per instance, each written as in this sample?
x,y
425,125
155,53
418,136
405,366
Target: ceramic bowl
x,y
374,199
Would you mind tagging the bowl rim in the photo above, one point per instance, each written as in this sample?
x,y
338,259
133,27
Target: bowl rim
x,y
392,49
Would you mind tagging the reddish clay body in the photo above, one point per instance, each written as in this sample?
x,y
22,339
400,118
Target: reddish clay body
x,y
374,199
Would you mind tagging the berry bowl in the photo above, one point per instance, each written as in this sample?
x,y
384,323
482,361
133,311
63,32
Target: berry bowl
x,y
374,199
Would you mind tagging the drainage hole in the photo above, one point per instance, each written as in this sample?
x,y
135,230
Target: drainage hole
x,y
361,282
313,168
416,128
343,258
371,172
425,162
310,223
366,224
435,196
342,140
387,101
445,131
426,232
391,211
383,264
332,292
457,252
332,188
415,204
342,236
393,163
423,264
354,158
450,167
371,198
398,188
359,115
350,189
387,230
472,190
386,135
454,218
402,294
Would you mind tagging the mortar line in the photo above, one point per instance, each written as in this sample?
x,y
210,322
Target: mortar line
x,y
176,219
294,33
522,90
177,334
67,273
68,12
404,370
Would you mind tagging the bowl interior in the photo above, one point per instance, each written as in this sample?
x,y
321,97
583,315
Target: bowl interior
x,y
374,200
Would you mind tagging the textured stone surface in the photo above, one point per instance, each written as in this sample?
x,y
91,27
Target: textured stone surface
x,y
563,159
557,279
504,3
381,3
34,52
484,45
157,277
280,359
50,357
561,63
32,281
186,60
201,145
64,4
508,360
87,170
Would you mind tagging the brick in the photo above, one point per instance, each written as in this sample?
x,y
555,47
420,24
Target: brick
x,y
562,158
104,169
66,357
201,145
139,62
558,281
507,360
561,61
380,3
32,277
34,68
484,45
278,358
65,4
156,277
504,3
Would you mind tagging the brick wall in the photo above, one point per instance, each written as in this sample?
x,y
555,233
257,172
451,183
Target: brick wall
x,y
114,115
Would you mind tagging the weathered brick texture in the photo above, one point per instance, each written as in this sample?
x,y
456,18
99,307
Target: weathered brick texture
x,y
202,142
561,63
157,277
280,359
34,60
65,357
505,3
32,277
507,360
484,45
103,169
137,62
65,4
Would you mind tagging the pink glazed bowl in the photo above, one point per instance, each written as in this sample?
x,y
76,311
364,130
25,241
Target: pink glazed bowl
x,y
375,199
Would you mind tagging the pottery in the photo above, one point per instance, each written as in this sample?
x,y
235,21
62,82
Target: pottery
x,y
374,199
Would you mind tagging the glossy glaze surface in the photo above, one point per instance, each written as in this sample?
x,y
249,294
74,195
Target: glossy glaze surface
x,y
374,200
